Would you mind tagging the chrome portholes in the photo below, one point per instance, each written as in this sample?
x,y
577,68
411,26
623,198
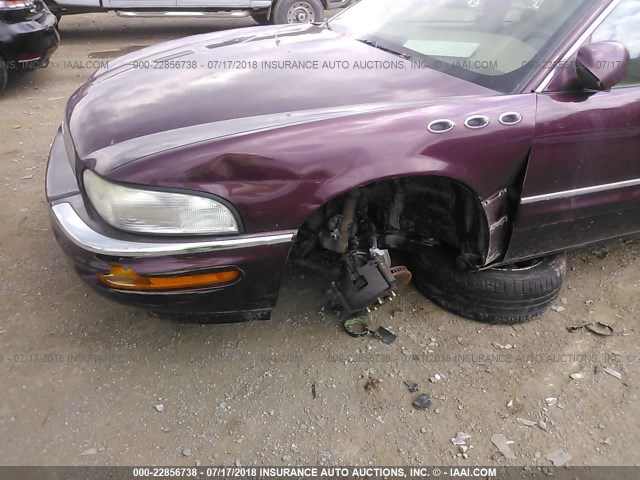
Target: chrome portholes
x,y
476,122
509,119
442,125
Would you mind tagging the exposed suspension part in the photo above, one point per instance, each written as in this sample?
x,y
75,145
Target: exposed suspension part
x,y
366,278
369,280
340,227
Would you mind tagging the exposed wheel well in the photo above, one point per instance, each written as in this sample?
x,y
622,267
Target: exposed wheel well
x,y
407,213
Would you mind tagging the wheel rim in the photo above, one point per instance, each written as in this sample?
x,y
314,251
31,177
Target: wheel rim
x,y
517,267
301,12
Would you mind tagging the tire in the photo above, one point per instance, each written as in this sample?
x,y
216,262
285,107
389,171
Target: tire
x,y
260,18
297,11
504,295
4,74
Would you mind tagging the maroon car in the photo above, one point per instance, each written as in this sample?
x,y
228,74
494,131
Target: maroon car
x,y
477,143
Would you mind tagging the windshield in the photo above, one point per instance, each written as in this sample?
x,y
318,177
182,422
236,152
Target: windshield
x,y
498,44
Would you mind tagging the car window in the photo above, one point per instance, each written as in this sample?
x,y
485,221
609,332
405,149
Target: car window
x,y
494,43
623,25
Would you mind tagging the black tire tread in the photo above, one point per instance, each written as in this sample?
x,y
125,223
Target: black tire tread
x,y
4,74
490,296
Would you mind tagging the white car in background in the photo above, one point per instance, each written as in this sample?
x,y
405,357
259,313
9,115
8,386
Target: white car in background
x,y
262,11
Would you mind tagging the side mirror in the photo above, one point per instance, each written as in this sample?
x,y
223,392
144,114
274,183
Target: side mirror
x,y
601,65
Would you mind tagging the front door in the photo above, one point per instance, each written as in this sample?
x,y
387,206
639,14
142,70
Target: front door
x,y
583,180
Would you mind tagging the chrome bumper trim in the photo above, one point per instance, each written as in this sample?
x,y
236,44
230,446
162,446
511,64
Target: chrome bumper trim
x,y
78,232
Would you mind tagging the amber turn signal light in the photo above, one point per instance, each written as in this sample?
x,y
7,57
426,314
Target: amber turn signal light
x,y
127,279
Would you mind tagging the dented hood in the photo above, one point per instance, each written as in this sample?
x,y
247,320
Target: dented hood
x,y
192,87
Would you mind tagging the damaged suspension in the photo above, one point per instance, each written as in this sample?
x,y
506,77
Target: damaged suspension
x,y
367,277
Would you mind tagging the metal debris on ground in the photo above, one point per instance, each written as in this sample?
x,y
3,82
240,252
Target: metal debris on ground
x,y
422,401
313,390
460,438
435,378
502,444
412,386
356,327
385,335
558,457
613,373
598,328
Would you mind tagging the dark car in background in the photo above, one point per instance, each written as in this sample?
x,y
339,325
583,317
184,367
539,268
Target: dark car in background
x,y
481,146
28,36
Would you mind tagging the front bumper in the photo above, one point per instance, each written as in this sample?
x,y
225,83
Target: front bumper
x,y
95,247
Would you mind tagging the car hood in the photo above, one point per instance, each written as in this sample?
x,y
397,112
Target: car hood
x,y
216,85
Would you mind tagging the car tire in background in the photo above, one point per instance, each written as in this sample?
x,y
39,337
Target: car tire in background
x,y
502,295
4,74
297,11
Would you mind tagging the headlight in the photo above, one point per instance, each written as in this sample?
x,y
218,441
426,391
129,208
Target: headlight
x,y
148,211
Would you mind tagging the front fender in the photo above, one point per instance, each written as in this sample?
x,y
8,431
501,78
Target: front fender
x,y
277,177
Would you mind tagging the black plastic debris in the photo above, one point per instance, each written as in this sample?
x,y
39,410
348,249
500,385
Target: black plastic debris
x,y
412,386
422,401
385,335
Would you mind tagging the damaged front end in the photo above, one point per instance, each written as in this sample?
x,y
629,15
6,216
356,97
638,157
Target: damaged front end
x,y
358,235
367,277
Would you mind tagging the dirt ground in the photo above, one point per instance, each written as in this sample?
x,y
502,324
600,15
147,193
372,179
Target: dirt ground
x,y
83,379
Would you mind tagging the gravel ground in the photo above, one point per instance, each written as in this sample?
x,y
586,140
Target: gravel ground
x,y
89,382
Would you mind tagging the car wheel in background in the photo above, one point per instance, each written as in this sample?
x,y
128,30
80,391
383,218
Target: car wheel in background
x,y
4,74
297,11
507,295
